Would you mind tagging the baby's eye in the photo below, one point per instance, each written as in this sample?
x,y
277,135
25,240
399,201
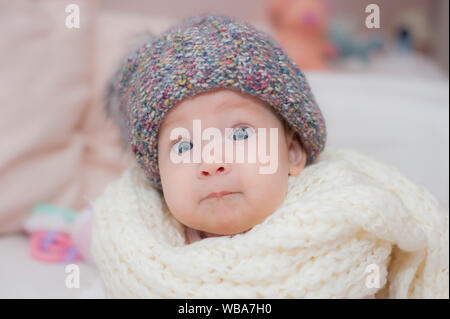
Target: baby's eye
x,y
242,133
182,146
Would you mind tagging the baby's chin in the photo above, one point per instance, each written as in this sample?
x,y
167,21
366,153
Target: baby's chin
x,y
230,215
228,210
227,227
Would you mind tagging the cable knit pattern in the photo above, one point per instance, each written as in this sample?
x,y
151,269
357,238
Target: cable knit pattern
x,y
343,213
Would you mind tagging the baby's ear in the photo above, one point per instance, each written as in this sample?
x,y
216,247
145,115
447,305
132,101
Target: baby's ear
x,y
297,154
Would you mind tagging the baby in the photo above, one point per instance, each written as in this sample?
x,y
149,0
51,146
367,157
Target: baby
x,y
215,72
223,124
245,203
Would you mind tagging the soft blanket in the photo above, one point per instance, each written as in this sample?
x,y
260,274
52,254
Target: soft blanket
x,y
349,227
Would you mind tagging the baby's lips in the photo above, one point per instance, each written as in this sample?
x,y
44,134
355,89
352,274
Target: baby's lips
x,y
219,194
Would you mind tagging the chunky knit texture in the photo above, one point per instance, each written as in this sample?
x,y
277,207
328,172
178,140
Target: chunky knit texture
x,y
201,54
342,214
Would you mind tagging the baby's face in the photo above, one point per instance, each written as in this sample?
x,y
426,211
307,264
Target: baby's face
x,y
254,194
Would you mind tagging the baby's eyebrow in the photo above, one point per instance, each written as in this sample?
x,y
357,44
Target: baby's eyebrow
x,y
168,122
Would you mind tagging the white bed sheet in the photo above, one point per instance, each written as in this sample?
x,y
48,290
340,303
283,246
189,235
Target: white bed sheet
x,y
21,276
400,120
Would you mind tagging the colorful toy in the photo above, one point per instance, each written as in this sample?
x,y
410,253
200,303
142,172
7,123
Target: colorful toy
x,y
349,43
57,234
53,246
412,30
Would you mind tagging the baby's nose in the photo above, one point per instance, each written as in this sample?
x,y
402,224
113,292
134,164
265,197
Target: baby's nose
x,y
211,169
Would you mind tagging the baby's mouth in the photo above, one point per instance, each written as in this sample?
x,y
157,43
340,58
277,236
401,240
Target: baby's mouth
x,y
219,194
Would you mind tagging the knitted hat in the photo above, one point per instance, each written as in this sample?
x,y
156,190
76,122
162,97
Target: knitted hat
x,y
203,53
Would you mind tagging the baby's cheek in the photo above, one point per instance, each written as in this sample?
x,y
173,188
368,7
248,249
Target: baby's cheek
x,y
264,192
258,186
182,206
177,186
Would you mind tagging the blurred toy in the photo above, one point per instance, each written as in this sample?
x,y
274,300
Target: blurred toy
x,y
59,235
404,41
300,27
46,216
349,41
412,31
53,246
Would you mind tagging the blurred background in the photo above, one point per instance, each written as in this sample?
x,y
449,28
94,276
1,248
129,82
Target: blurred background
x,y
379,74
419,25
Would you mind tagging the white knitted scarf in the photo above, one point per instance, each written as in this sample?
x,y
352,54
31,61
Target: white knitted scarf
x,y
349,227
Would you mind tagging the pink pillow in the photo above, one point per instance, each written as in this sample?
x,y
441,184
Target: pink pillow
x,y
55,142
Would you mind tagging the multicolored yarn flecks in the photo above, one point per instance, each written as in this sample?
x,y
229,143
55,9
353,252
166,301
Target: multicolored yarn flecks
x,y
203,53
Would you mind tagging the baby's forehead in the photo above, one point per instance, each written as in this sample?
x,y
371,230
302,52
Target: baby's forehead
x,y
220,103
